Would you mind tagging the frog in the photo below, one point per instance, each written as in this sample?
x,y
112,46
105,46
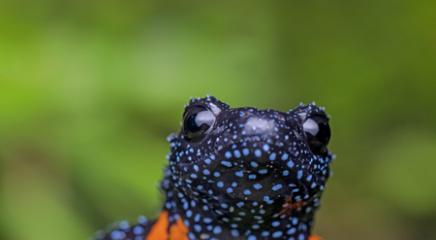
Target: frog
x,y
240,173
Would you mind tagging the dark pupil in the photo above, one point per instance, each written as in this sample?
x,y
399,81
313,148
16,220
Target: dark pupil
x,y
318,142
191,125
194,128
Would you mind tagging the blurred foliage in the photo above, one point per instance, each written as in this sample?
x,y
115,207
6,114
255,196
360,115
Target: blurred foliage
x,y
90,89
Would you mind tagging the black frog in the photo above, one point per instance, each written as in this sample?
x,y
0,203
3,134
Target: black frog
x,y
240,173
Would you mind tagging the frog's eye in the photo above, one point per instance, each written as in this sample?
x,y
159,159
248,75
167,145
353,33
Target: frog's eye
x,y
197,122
317,131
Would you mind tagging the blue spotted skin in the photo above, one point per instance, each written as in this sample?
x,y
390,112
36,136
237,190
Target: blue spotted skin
x,y
124,231
236,181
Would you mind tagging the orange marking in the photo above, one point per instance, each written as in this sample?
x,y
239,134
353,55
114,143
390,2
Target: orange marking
x,y
314,237
289,206
159,231
178,231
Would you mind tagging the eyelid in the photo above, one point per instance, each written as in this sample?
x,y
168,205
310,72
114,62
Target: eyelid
x,y
209,107
189,108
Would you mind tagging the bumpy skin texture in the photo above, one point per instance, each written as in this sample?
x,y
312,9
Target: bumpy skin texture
x,y
240,173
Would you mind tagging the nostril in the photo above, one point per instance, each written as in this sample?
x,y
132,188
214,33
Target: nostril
x,y
256,125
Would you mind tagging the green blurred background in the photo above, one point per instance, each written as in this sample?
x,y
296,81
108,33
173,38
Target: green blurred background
x,y
90,89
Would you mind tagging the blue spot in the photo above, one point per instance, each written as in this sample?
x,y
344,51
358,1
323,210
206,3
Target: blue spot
x,y
265,147
118,235
142,220
245,151
247,192
196,168
257,186
299,174
226,163
291,231
272,156
239,173
290,164
257,153
138,230
277,234
220,184
124,225
234,232
237,153
252,176
277,187
217,230
309,178
251,237
197,228
285,156
228,154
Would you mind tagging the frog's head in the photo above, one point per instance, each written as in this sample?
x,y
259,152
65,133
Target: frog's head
x,y
247,163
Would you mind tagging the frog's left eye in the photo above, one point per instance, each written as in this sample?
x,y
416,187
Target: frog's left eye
x,y
197,122
317,131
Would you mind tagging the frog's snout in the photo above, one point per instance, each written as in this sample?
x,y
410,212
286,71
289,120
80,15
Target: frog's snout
x,y
259,126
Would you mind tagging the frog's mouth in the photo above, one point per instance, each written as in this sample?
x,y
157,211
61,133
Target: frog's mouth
x,y
263,173
261,181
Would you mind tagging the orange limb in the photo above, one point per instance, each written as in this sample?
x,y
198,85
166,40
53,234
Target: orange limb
x,y
159,231
178,231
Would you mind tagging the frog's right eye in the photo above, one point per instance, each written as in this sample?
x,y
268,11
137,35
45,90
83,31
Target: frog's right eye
x,y
197,122
317,130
